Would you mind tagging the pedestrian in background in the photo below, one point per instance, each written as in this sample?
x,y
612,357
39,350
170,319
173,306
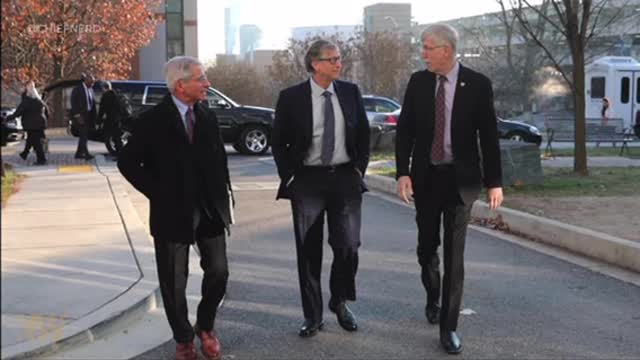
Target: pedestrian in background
x,y
83,111
34,115
111,115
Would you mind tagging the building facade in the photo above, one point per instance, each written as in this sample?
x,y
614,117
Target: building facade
x,y
387,17
176,35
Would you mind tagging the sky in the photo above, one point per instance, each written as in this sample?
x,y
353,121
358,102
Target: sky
x,y
276,17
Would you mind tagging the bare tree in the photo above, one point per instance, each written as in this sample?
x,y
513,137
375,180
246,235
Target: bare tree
x,y
386,62
242,83
577,21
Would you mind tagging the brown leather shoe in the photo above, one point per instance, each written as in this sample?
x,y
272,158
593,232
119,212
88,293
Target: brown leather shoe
x,y
210,344
186,351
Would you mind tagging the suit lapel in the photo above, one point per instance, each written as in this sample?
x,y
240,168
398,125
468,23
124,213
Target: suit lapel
x,y
343,101
460,99
307,110
175,118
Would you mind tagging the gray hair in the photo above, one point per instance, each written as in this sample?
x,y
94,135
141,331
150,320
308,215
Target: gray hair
x,y
443,33
315,52
178,68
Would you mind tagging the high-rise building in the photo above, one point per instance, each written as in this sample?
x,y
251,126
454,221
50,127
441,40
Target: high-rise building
x,y
387,17
250,36
176,35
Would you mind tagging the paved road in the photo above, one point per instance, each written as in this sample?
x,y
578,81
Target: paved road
x,y
523,304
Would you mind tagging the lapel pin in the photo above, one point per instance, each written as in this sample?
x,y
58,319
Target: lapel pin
x,y
462,84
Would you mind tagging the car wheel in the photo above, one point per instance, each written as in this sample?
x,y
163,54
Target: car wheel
x,y
516,136
254,140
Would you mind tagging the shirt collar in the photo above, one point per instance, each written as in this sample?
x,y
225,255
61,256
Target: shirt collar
x,y
182,107
453,74
317,90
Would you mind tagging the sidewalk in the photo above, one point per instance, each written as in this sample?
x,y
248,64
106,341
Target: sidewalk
x,y
75,258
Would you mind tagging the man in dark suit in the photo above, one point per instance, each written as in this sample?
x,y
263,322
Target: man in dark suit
x,y
446,109
111,114
176,158
321,148
83,111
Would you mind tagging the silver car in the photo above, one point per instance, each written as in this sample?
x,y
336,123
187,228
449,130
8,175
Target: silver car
x,y
375,105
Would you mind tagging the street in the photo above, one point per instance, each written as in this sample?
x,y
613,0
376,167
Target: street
x,y
520,303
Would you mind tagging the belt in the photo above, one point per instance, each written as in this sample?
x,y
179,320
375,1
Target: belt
x,y
441,167
327,169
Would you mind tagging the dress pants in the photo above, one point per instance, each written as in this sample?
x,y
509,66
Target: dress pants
x,y
34,140
440,199
172,260
83,137
337,192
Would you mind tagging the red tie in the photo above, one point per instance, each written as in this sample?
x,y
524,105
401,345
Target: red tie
x,y
437,147
190,124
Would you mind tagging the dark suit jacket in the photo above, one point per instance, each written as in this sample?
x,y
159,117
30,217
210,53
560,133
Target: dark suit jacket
x,y
34,113
79,104
177,176
473,116
293,126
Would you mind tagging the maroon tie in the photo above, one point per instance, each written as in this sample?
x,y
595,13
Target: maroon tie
x,y
437,147
190,124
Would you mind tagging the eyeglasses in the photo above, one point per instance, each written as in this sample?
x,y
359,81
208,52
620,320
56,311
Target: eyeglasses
x,y
431,48
332,60
202,78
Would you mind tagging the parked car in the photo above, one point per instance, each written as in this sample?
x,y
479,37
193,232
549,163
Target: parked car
x,y
375,105
519,131
248,128
386,121
11,129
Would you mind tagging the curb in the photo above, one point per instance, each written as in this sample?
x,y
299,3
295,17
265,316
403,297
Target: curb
x,y
610,249
139,298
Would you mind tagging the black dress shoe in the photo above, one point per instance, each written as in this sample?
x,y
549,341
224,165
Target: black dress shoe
x,y
346,319
23,155
450,342
433,313
310,327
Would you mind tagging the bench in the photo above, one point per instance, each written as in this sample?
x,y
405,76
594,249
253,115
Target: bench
x,y
596,130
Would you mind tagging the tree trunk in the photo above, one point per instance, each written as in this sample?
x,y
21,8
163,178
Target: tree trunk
x,y
580,149
58,116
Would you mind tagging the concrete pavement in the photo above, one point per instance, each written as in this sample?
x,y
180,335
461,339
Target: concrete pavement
x,y
75,258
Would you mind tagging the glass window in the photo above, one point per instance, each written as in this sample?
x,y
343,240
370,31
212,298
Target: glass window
x,y
174,6
385,106
369,105
638,90
624,90
597,87
174,26
175,48
155,94
215,101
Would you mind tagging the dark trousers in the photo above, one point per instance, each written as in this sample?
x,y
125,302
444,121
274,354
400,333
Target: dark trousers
x,y
338,193
112,132
34,139
83,137
440,199
172,260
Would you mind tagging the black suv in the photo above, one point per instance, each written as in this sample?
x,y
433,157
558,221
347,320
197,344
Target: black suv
x,y
248,128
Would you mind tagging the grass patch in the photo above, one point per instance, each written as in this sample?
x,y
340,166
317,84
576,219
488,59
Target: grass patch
x,y
595,151
10,183
609,181
382,155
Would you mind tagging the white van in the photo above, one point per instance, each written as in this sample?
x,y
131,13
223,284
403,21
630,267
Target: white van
x,y
617,78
